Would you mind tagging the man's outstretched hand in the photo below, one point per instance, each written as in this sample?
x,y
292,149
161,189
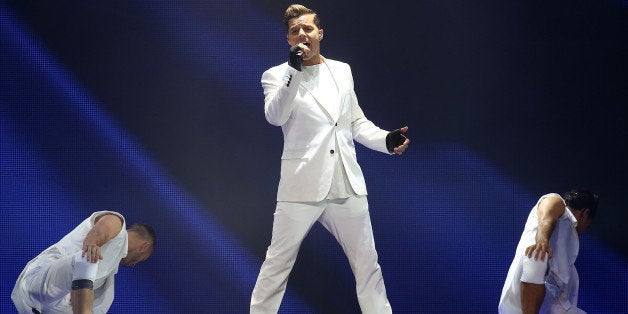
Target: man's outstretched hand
x,y
396,141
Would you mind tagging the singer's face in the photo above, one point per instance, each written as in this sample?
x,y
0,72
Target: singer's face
x,y
303,31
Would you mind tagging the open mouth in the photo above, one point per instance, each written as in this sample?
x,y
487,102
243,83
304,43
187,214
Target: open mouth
x,y
308,45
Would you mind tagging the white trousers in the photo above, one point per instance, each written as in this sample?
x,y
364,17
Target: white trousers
x,y
349,221
44,287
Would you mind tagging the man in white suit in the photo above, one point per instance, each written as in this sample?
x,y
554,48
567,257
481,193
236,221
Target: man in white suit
x,y
313,100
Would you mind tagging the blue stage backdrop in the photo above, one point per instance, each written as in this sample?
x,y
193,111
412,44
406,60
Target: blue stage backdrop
x,y
154,109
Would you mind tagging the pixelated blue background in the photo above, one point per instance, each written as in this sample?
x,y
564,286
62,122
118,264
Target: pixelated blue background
x,y
154,109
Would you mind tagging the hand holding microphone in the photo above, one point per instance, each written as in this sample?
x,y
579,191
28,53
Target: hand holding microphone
x,y
296,57
297,52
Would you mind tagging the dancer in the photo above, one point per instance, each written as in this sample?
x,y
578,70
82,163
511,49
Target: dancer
x,y
76,274
542,277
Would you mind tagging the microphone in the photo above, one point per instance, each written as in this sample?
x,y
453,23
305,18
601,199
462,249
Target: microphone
x,y
296,57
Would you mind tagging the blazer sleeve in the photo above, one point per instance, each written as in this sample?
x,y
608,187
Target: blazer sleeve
x,y
281,85
364,131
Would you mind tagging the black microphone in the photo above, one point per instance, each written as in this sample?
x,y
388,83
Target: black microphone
x,y
296,57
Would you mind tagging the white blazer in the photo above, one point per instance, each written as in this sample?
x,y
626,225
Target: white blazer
x,y
312,129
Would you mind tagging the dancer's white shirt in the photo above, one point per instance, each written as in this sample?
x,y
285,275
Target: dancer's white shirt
x,y
562,281
113,251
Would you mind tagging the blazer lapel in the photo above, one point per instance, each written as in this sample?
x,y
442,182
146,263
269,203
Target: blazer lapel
x,y
330,108
324,107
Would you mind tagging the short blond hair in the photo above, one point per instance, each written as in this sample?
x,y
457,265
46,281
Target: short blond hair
x,y
297,10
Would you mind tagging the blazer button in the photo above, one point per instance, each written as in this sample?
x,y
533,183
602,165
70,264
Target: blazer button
x,y
331,151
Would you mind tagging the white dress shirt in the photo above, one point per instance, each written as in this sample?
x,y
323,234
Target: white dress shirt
x,y
562,281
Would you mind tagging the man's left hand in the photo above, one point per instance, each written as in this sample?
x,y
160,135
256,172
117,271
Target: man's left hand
x,y
397,142
92,252
539,249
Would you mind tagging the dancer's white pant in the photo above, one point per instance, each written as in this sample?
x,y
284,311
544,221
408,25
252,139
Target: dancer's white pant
x,y
348,220
45,287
